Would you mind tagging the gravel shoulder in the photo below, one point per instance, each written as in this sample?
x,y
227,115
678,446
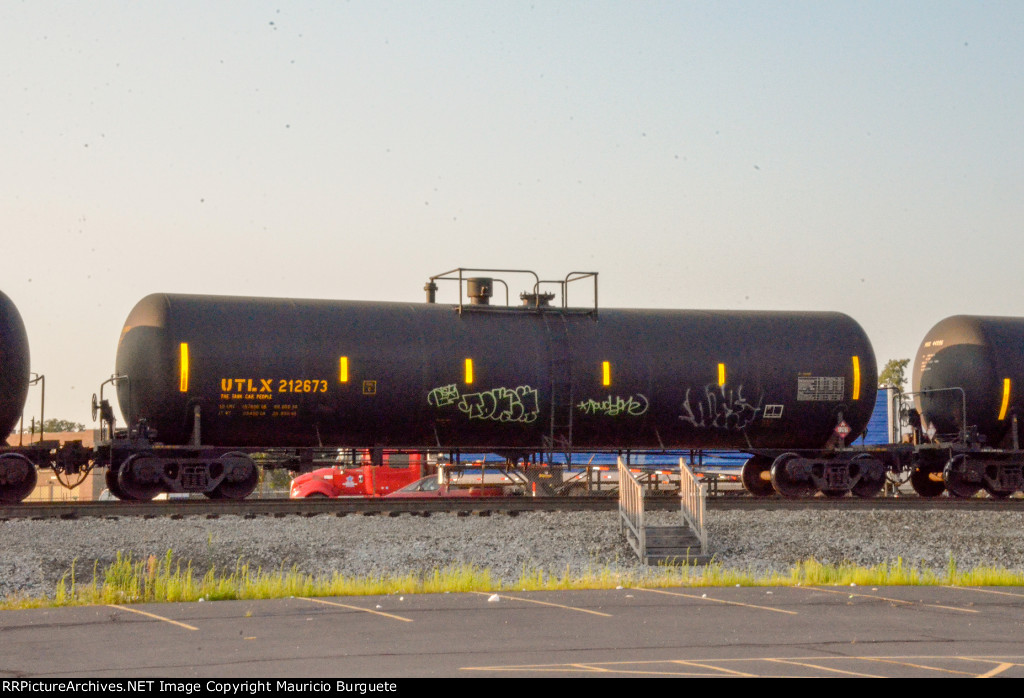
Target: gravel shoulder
x,y
34,555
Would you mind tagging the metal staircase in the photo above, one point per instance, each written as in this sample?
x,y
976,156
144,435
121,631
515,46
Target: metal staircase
x,y
665,545
671,545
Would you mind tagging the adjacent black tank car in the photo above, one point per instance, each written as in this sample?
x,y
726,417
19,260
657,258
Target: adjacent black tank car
x,y
14,365
967,380
968,375
17,471
18,464
245,373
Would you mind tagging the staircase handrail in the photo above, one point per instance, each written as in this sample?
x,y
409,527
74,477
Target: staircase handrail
x,y
631,509
692,503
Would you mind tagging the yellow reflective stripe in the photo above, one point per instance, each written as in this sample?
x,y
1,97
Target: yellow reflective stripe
x,y
721,374
856,378
343,369
469,371
183,368
606,373
1006,398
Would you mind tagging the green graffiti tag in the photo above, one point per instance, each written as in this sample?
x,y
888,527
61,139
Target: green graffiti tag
x,y
518,404
614,405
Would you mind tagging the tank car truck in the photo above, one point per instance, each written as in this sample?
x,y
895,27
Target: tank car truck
x,y
209,385
968,377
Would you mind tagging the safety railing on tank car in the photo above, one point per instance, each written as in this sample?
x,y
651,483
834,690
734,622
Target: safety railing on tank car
x,y
458,274
575,276
535,299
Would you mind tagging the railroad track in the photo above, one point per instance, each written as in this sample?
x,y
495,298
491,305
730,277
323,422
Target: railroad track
x,y
482,506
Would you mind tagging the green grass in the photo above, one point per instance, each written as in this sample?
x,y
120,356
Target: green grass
x,y
155,580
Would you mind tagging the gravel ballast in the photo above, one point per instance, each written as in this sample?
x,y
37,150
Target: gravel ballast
x,y
34,555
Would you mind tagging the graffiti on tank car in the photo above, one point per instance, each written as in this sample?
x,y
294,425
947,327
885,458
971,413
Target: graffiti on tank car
x,y
502,404
615,405
443,396
719,409
519,404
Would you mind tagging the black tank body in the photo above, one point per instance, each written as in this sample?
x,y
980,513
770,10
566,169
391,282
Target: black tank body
x,y
975,364
287,372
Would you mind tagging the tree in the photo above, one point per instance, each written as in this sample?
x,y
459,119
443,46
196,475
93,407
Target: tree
x,y
894,374
53,425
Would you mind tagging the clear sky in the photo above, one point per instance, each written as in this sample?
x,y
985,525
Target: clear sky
x,y
864,157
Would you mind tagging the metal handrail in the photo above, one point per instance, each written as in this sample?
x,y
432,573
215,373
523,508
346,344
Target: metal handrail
x,y
631,509
41,380
693,503
576,276
458,274
447,276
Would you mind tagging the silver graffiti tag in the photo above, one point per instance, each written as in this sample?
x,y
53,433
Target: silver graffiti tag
x,y
719,409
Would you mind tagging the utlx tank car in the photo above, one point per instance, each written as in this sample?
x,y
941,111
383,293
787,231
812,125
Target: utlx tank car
x,y
203,381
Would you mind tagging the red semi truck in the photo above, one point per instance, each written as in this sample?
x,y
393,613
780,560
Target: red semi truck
x,y
363,479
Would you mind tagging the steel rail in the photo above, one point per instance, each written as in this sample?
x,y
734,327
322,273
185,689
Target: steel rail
x,y
482,506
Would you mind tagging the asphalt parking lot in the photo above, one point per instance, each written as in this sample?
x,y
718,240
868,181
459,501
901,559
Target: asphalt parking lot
x,y
706,632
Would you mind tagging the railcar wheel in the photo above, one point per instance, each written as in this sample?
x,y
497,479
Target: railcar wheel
x,y
866,488
112,486
1001,481
783,481
927,481
139,477
872,479
756,476
240,479
956,480
17,478
995,492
